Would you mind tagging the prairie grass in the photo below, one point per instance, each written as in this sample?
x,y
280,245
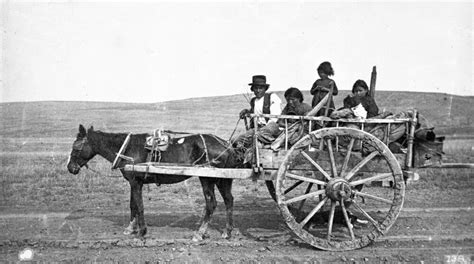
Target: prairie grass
x,y
41,181
459,150
36,139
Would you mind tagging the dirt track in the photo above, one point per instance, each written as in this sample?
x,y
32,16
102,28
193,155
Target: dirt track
x,y
420,234
86,218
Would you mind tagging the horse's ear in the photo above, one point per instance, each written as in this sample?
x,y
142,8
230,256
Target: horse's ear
x,y
82,130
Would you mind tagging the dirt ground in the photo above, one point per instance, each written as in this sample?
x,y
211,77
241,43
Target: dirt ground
x,y
435,226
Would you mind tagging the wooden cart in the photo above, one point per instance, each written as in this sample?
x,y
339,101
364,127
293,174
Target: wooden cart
x,y
338,188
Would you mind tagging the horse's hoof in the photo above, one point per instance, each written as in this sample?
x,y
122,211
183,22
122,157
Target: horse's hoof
x,y
226,234
197,238
128,232
132,228
142,232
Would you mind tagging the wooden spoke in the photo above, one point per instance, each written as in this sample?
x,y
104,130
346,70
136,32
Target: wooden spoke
x,y
346,217
370,179
375,223
306,192
331,157
319,188
302,178
361,164
296,184
316,165
303,197
331,218
370,196
348,156
313,212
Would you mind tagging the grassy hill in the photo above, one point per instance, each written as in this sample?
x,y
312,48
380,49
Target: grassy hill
x,y
451,115
36,140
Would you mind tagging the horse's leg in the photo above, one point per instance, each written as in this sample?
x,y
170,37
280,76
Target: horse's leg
x,y
225,188
132,227
137,197
210,197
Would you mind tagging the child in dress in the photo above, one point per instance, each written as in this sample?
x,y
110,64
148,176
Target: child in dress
x,y
322,86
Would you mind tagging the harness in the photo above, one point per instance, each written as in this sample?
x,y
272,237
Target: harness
x,y
205,153
160,140
156,143
79,145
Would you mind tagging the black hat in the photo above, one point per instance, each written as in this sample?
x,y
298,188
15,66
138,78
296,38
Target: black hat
x,y
259,80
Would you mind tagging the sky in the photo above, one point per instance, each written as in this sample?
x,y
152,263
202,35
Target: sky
x,y
153,51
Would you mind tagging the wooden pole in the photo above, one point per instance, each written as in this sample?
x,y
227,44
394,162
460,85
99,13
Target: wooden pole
x,y
373,79
328,104
411,138
319,106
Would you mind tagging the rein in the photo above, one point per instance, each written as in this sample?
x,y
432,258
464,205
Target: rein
x,y
94,171
227,148
235,128
205,153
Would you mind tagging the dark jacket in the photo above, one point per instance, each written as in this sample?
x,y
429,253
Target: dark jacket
x,y
266,106
303,109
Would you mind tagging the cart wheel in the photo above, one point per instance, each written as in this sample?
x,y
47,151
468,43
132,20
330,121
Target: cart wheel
x,y
319,189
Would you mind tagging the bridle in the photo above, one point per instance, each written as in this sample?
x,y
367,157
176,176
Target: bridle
x,y
77,147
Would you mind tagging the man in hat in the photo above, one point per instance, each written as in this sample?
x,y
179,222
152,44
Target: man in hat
x,y
262,103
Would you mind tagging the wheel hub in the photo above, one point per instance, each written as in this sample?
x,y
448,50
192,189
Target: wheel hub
x,y
338,188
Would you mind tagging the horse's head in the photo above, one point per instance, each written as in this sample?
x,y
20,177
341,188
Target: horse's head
x,y
82,151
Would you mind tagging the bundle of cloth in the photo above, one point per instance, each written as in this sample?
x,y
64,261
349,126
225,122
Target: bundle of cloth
x,y
397,135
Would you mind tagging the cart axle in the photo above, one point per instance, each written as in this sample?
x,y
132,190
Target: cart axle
x,y
338,188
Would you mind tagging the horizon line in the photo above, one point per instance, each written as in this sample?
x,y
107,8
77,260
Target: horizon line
x,y
190,98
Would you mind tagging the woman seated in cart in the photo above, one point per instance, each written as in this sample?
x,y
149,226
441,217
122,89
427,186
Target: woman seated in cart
x,y
358,104
294,105
361,105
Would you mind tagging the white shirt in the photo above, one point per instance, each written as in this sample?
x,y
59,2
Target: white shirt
x,y
359,111
275,108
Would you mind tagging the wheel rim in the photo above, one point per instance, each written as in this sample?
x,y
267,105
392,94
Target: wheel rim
x,y
320,217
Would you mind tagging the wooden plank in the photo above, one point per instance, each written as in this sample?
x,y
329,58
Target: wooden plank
x,y
120,153
452,165
272,160
342,120
185,170
318,107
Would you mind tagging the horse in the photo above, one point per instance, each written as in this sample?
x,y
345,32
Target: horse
x,y
192,149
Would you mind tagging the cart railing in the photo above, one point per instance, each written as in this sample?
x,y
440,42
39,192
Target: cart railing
x,y
409,123
337,122
328,119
